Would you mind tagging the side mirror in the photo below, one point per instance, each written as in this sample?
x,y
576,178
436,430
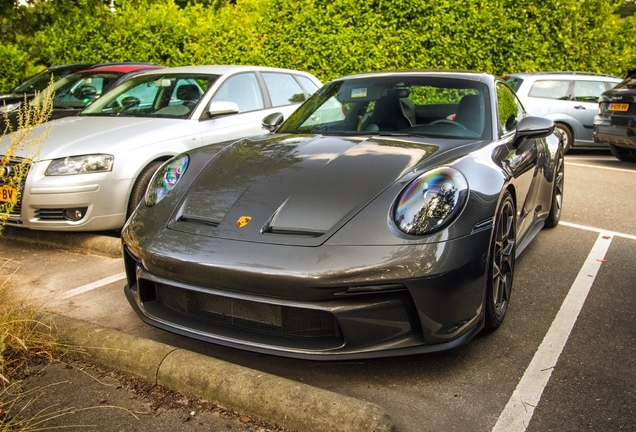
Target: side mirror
x,y
129,102
85,91
534,127
219,108
273,121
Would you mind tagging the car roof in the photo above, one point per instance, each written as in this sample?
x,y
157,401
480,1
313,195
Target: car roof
x,y
442,73
69,66
561,74
224,69
122,68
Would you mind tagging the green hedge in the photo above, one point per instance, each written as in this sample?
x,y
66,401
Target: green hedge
x,y
16,66
331,38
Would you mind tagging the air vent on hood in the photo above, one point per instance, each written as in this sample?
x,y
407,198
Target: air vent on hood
x,y
199,220
292,232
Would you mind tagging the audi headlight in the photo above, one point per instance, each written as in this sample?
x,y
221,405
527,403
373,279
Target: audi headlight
x,y
431,201
85,164
165,179
5,108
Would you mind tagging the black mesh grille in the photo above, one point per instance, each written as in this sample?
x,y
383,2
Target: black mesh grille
x,y
248,315
50,214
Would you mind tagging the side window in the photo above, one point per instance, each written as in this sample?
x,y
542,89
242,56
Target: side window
x,y
243,90
309,85
550,89
588,91
283,89
510,110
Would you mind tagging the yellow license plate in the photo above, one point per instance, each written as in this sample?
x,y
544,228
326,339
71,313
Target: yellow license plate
x,y
8,194
618,107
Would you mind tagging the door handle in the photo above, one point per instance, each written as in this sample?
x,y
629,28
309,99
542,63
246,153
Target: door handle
x,y
579,107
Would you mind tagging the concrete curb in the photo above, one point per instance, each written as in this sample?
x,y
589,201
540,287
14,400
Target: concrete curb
x,y
257,394
79,242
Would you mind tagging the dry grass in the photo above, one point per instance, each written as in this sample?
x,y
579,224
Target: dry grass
x,y
24,339
24,342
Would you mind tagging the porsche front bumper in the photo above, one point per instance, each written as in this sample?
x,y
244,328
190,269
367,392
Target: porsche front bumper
x,y
326,302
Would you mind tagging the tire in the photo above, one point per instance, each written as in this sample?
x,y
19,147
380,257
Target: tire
x,y
568,136
141,184
501,263
623,154
557,193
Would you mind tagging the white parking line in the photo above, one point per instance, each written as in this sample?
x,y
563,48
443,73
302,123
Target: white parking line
x,y
598,230
520,408
600,167
600,158
94,285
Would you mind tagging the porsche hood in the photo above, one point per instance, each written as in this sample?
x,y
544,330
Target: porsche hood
x,y
293,190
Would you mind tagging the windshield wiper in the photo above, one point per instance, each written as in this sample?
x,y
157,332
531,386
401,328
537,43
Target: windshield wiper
x,y
402,134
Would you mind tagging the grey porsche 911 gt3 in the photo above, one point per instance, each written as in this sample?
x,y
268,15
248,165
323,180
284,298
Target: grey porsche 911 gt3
x,y
382,218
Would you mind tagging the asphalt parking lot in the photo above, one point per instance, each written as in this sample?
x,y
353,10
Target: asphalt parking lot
x,y
563,359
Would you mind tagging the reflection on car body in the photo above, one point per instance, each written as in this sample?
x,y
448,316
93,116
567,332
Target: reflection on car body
x,y
383,229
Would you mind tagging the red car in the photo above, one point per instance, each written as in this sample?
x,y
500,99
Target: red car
x,y
75,91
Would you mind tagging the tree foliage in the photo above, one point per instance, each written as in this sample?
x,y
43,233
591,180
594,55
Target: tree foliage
x,y
329,38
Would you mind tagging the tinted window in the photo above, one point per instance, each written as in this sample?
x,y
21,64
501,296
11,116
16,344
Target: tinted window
x,y
283,89
588,91
243,90
510,110
627,83
550,89
515,82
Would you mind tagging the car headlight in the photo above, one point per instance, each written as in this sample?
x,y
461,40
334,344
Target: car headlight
x,y
431,201
165,179
85,164
9,107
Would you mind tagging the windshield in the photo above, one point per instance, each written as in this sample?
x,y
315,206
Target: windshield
x,y
627,83
40,81
398,105
156,95
77,90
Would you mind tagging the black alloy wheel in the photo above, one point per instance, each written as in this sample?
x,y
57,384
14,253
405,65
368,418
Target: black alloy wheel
x,y
502,263
557,194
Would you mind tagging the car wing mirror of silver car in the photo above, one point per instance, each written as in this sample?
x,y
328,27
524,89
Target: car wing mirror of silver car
x,y
219,108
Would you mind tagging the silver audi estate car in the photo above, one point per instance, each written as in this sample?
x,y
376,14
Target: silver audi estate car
x,y
570,99
93,169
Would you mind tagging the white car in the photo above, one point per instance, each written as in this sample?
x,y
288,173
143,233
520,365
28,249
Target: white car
x,y
93,169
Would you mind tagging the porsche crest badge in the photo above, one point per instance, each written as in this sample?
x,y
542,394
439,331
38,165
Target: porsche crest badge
x,y
243,221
